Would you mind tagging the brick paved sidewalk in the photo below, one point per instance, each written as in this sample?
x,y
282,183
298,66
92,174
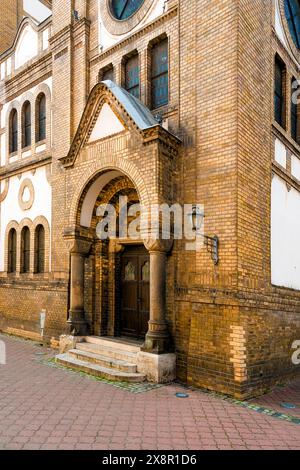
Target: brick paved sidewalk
x,y
282,394
43,407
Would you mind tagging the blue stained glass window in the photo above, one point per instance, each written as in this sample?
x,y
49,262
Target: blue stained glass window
x,y
124,9
292,12
132,76
160,74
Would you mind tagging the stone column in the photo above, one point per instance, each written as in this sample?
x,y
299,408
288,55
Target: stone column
x,y
157,339
76,321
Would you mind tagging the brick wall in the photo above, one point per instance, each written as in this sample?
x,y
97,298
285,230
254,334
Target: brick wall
x,y
11,15
232,330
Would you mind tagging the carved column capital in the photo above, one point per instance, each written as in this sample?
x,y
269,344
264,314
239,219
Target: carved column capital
x,y
77,241
158,245
115,247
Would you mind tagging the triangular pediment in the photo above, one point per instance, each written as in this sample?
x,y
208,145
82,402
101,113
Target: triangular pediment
x,y
110,110
107,124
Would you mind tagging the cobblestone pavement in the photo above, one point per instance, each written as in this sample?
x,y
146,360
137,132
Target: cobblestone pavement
x,y
43,407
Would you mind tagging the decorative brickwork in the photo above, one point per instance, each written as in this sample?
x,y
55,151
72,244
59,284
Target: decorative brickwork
x,y
231,329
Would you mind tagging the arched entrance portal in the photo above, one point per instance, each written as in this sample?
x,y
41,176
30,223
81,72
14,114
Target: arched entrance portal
x,y
119,266
117,284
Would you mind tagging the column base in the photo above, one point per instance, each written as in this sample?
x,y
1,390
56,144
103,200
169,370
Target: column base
x,y
77,326
157,368
157,343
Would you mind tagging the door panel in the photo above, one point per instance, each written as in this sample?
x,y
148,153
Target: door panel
x,y
135,292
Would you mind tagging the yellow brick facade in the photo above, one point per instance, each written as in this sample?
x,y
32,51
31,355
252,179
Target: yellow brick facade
x,y
231,329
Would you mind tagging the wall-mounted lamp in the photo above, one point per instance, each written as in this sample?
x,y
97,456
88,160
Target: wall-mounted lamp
x,y
212,243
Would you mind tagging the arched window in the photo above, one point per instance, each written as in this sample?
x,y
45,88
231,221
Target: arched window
x,y
39,249
12,251
292,13
41,118
26,121
13,131
25,250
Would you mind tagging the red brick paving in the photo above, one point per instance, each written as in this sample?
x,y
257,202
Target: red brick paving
x,y
42,407
286,394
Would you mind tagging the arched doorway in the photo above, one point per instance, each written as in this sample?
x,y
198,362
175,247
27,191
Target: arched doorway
x,y
106,299
121,282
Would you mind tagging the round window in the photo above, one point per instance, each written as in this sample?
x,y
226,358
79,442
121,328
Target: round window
x,y
292,13
124,9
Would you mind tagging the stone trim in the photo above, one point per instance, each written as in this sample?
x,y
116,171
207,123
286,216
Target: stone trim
x,y
293,47
26,205
4,192
118,27
41,220
26,222
12,225
99,95
129,169
170,14
18,105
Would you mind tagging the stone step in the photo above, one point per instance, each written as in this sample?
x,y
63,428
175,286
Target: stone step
x,y
109,352
104,361
118,343
99,371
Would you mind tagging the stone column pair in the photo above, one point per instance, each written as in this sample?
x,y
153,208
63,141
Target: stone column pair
x,y
157,340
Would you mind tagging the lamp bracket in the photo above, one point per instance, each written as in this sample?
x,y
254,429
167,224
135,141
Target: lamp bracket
x,y
212,246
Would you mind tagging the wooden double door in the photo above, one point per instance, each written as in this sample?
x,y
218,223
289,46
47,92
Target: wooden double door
x,y
135,291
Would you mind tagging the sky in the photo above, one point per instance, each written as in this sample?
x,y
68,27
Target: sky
x,y
36,9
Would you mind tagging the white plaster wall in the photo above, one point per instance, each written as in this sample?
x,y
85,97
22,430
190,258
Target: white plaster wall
x,y
285,235
280,153
107,40
10,209
45,39
107,124
27,46
3,150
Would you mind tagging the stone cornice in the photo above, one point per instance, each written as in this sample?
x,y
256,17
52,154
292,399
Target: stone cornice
x,y
60,38
168,141
284,136
28,76
282,173
24,165
133,37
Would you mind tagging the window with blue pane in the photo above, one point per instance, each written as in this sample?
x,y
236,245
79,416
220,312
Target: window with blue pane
x,y
160,74
132,76
124,9
292,12
279,103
